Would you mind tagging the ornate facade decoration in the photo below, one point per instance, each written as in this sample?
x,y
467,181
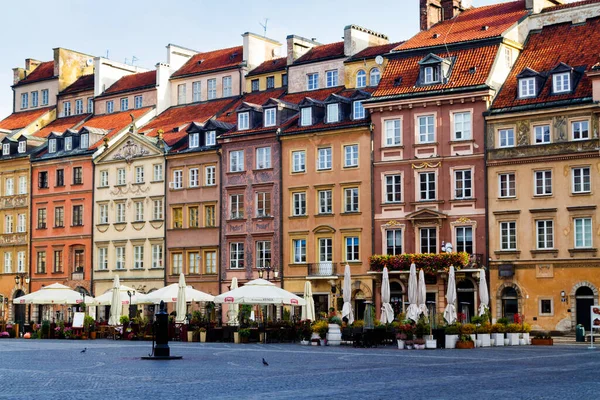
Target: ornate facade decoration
x,y
14,238
545,150
130,151
523,133
129,189
426,165
14,201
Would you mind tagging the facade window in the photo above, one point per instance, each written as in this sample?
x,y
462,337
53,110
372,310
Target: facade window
x,y
299,203
361,79
138,257
157,173
78,260
427,186
426,129
41,218
332,78
24,100
312,81
103,178
352,249
193,217
177,218
66,108
543,183
375,77
255,83
583,232
542,134
507,185
546,307
34,99
209,216
463,184
236,161
78,107
306,116
431,75
110,107
8,224
298,161
120,213
176,263
227,86
464,239
545,234
462,126
263,254
181,93
507,57
194,178
210,138
393,188
236,204
580,130
196,91
120,176
359,110
157,256
428,238
325,249
393,132
270,117
103,258
43,179
210,176
236,255
299,251
45,97
22,185
263,204
351,155
124,104
351,200
284,80
393,241
211,89
508,235
270,82
581,180
58,261
193,262
103,214
9,187
333,111
22,146
6,149
507,137
139,174
243,121
78,215
210,262
177,179
324,158
263,158
52,146
59,217
68,143
527,87
21,223
84,141
157,210
41,262
561,83
90,105
77,176
7,262
139,211
325,202
21,261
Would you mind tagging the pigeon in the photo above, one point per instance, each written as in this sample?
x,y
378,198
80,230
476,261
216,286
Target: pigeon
x,y
265,363
84,350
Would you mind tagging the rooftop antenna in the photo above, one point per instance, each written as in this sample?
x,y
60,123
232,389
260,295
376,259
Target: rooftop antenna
x,y
133,60
264,26
125,60
106,53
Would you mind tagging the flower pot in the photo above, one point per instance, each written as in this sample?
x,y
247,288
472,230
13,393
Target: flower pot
x,y
420,346
527,338
521,342
400,344
450,342
478,343
506,342
513,339
492,342
190,336
485,339
498,339
465,345
93,335
236,337
202,337
304,342
431,344
334,335
542,342
323,342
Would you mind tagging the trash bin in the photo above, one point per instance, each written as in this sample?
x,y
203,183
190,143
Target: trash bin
x,y
579,333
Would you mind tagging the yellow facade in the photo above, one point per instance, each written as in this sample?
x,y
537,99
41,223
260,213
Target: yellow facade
x,y
368,66
262,80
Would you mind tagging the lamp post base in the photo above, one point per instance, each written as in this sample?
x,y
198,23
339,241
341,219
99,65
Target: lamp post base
x,y
160,358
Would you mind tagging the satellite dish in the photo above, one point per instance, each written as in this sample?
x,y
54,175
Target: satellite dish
x,y
89,62
379,60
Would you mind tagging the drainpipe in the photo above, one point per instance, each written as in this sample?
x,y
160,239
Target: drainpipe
x,y
166,186
372,171
219,154
486,197
280,181
92,291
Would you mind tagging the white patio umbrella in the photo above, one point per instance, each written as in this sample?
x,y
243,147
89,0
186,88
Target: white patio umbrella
x,y
308,310
53,294
422,295
347,308
262,292
106,298
484,297
450,311
413,295
387,312
116,306
181,306
234,309
169,294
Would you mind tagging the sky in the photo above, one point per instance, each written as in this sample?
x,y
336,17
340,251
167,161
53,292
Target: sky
x,y
142,28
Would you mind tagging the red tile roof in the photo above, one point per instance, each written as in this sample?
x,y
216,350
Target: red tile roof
x,y
211,61
322,126
21,119
374,51
60,125
85,82
132,82
276,64
547,48
114,122
569,5
259,98
181,116
468,26
44,71
471,68
322,52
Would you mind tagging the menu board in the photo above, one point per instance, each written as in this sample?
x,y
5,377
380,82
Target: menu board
x,y
596,317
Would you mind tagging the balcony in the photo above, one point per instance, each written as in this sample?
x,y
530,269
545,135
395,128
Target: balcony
x,y
323,269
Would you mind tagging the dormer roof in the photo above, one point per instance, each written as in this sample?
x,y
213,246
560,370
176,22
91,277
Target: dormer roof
x,y
528,73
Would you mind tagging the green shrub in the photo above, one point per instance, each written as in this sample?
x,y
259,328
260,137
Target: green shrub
x,y
498,328
513,328
124,320
453,329
503,321
467,329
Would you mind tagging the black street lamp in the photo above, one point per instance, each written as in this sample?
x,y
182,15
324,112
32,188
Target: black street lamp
x,y
267,267
132,310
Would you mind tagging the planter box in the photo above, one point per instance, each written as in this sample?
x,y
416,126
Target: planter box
x,y
236,337
400,344
304,342
465,345
485,339
190,336
203,337
526,336
498,339
513,339
431,344
450,342
542,342
323,342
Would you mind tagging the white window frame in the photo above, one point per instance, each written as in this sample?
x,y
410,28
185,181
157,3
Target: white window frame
x,y
194,177
262,199
177,179
299,251
34,99
333,113
374,77
121,176
22,148
138,102
45,97
210,138
138,257
324,158
139,211
460,232
331,78
543,182
506,137
578,128
120,257
351,200
157,256
24,101
544,234
393,188
505,181
22,184
580,226
66,108
361,78
299,203
464,177
351,155
325,201
263,253
312,81
352,248
236,255
6,149
427,178
263,158
210,176
508,235
78,107
9,187
299,161
527,88
102,258
227,89
68,143
581,180
181,93
462,125
211,89
110,107
236,206
103,214
561,82
84,141
270,118
426,128
157,210
306,116
104,178
236,161
243,121
358,111
430,239
393,132
196,91
543,132
120,213
52,146
157,172
139,174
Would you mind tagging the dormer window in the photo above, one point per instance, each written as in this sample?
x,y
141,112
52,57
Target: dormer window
x,y
333,112
270,117
22,146
561,83
84,144
527,87
6,149
243,121
359,110
68,143
306,116
361,79
194,140
211,138
52,146
431,75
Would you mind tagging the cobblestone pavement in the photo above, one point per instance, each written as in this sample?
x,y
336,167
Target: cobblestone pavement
x,y
49,369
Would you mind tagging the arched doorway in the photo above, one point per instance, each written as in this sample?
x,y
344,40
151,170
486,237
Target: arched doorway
x,y
19,310
359,304
465,298
510,303
396,297
584,300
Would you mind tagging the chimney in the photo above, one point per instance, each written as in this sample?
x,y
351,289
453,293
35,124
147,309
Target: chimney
x,y
451,8
297,46
538,5
430,12
258,49
357,38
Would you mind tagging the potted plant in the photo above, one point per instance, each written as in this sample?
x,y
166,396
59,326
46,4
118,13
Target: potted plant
x,y
202,332
244,335
334,334
401,339
498,334
465,342
419,344
319,327
542,339
45,329
469,329
512,334
484,334
89,325
525,333
305,332
452,331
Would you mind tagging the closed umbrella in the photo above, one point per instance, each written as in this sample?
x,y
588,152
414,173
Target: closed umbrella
x,y
116,305
422,295
413,295
180,306
387,312
234,309
308,311
484,297
450,311
347,308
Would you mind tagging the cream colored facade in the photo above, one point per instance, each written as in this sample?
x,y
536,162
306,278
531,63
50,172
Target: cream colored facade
x,y
148,99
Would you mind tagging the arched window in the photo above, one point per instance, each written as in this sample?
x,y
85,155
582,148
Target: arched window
x,y
375,77
510,303
361,79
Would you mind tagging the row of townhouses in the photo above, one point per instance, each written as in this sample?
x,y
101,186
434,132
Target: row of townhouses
x,y
479,134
